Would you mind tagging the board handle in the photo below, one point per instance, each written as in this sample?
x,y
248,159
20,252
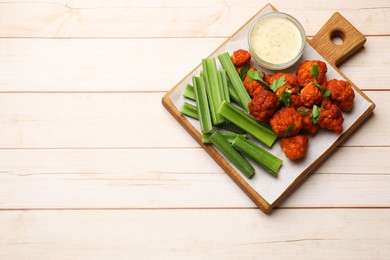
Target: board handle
x,y
337,27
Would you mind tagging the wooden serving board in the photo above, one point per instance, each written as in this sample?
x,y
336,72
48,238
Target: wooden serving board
x,y
265,191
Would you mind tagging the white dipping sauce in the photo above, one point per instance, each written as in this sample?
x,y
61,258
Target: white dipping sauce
x,y
276,40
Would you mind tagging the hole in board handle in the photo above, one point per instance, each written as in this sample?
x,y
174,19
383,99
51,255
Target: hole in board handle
x,y
337,37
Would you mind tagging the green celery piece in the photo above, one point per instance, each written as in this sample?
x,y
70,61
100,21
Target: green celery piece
x,y
233,93
265,159
214,89
190,110
223,78
232,154
247,123
189,92
235,79
229,137
231,127
202,105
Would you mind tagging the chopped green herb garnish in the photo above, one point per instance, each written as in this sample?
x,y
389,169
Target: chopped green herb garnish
x,y
289,129
257,75
285,98
277,83
244,71
315,114
318,86
314,71
303,111
327,93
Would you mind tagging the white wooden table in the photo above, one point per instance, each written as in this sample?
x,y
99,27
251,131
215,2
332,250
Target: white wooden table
x,y
93,167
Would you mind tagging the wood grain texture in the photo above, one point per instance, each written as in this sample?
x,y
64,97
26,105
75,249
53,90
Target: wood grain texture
x,y
48,65
353,40
73,76
337,26
169,178
114,120
196,234
129,19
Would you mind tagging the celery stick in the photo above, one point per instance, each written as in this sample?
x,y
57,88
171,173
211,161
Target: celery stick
x,y
235,157
189,92
214,89
235,79
202,105
247,123
233,93
223,78
229,137
190,110
265,159
231,127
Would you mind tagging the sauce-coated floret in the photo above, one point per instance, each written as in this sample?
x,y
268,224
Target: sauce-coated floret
x,y
306,73
342,93
291,79
241,57
263,105
331,117
295,101
251,85
308,126
286,122
311,95
295,147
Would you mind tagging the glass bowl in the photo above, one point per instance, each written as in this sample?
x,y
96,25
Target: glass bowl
x,y
276,40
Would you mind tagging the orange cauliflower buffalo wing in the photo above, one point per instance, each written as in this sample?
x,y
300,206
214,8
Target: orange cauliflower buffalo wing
x,y
241,57
342,93
290,86
311,95
331,117
286,122
295,101
311,71
251,85
308,127
295,147
263,105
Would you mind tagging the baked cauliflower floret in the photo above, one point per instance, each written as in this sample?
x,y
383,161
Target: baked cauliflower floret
x,y
331,117
290,86
306,73
251,85
286,122
311,95
295,101
241,57
295,147
291,79
342,93
308,127
263,105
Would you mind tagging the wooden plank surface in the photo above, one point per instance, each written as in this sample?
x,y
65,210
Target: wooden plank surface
x,y
93,167
122,120
122,19
196,234
148,178
48,64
